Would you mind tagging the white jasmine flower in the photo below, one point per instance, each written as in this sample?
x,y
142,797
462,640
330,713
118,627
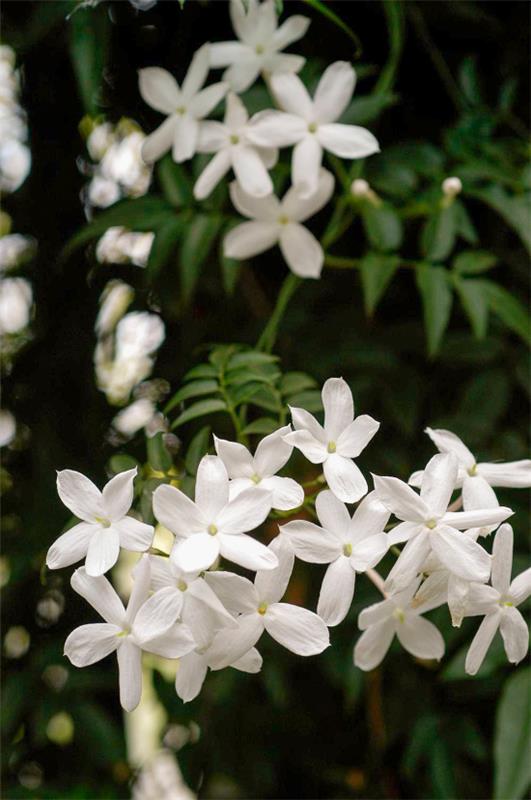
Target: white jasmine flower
x,y
259,471
428,526
143,626
498,603
279,222
8,427
348,544
214,525
297,629
228,140
16,301
136,416
311,125
15,249
15,164
452,186
184,105
123,164
340,440
105,526
103,192
114,301
260,44
192,669
396,616
100,140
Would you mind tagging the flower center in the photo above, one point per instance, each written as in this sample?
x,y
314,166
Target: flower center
x,y
347,549
331,447
182,585
256,478
181,110
212,529
399,615
283,220
234,139
506,603
104,522
473,471
262,608
124,632
431,524
259,49
312,127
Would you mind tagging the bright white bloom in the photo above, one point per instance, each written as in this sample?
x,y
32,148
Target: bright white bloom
x,y
15,164
100,139
105,527
123,164
340,440
232,148
259,471
102,192
397,615
16,301
121,246
8,427
259,606
15,249
348,544
136,416
143,626
214,525
311,125
428,526
192,670
184,105
452,186
279,222
260,44
116,297
498,603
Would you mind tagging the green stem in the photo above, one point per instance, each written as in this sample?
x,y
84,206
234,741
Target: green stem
x,y
394,18
268,337
340,262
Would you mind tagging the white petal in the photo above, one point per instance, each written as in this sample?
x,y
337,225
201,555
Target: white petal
x,y
236,115
291,95
157,614
90,643
103,551
272,452
250,171
404,531
333,514
438,482
502,559
237,459
237,594
211,487
250,239
377,612
101,596
175,642
176,511
347,141
141,588
247,552
297,629
420,637
344,478
162,574
230,644
458,591
118,494
305,165
266,21
134,535
246,512
337,591
213,136
373,644
197,72
79,494
301,250
205,102
265,209
271,585
244,17
334,91
356,436
370,517
276,128
433,592
475,519
477,493
224,53
250,662
400,499
282,62
160,141
130,669
185,137
241,75
214,171
301,208
196,553
312,543
303,420
408,563
201,591
513,474
338,407
159,89
290,31
481,642
191,674
310,447
238,485
515,634
460,554
369,551
520,588
285,492
448,442
71,546
481,600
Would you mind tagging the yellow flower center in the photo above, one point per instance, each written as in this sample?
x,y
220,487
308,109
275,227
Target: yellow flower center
x,y
259,49
399,615
123,633
234,139
262,608
182,585
104,522
331,447
431,524
256,478
347,549
212,529
473,471
181,110
283,220
312,127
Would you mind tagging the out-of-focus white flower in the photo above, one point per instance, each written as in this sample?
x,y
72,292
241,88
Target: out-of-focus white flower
x,y
161,777
8,427
15,157
340,440
114,301
16,642
103,192
123,163
106,526
311,125
184,107
15,165
15,249
16,301
260,44
279,222
120,246
100,140
139,333
452,186
136,416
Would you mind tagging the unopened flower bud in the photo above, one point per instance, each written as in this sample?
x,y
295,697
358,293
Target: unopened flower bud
x,y
360,188
452,186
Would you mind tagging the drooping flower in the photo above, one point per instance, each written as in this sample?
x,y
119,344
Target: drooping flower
x,y
295,628
396,616
115,299
143,626
214,525
184,106
311,125
105,526
16,301
232,148
279,222
260,44
428,526
498,603
348,545
193,667
340,440
259,471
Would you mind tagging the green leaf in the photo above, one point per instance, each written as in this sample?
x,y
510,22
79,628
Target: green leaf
x,y
363,110
199,409
513,209
175,182
197,449
327,12
266,373
474,261
377,270
439,234
158,456
509,310
244,392
230,273
512,738
464,225
89,30
311,401
201,371
251,358
436,294
197,242
293,382
262,425
266,398
475,301
193,389
166,238
382,225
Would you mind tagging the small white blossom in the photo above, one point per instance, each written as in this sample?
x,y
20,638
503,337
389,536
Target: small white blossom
x,y
8,427
114,301
16,301
136,416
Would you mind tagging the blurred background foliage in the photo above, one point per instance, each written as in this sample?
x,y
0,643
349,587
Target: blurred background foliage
x,y
422,307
